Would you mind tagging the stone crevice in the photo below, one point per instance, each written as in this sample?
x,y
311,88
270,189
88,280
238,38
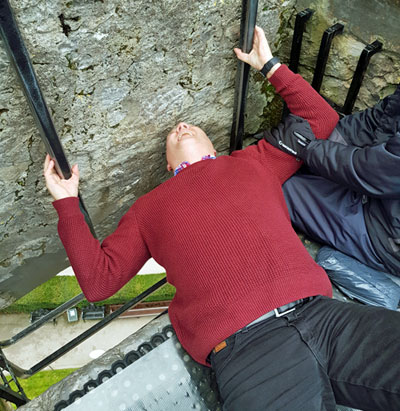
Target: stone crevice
x,y
66,28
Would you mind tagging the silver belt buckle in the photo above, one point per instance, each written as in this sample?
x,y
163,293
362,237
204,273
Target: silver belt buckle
x,y
278,314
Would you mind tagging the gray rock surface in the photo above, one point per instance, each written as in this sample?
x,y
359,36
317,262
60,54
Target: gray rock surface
x,y
364,22
117,76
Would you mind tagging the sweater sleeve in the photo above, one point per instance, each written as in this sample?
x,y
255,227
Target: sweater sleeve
x,y
302,101
100,268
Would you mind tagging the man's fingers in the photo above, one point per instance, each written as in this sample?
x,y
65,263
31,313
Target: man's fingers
x,y
50,172
75,171
260,39
46,163
259,32
48,166
241,56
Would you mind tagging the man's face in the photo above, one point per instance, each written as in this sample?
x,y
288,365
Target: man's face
x,y
186,142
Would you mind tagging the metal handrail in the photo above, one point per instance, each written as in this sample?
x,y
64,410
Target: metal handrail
x,y
247,24
21,61
42,320
25,373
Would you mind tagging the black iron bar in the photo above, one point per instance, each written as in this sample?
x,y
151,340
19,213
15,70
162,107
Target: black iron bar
x,y
299,27
323,54
22,373
42,320
247,24
21,61
9,395
18,396
359,74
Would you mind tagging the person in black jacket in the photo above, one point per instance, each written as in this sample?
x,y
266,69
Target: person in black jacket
x,y
350,198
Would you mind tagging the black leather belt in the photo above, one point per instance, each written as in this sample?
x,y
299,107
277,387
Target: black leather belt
x,y
276,312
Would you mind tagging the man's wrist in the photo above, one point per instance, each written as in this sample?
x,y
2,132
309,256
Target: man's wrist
x,y
269,65
57,197
272,71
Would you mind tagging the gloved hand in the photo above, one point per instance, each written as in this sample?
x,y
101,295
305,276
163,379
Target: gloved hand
x,y
292,136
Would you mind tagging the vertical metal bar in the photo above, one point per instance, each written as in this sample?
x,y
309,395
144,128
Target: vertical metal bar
x,y
299,27
323,54
20,59
247,24
359,74
22,63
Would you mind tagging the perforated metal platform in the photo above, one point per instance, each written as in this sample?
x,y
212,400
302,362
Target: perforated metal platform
x,y
166,378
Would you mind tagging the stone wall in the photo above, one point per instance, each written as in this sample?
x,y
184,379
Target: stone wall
x,y
364,22
117,75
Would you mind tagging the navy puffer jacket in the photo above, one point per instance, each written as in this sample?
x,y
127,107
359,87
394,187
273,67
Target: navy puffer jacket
x,y
363,153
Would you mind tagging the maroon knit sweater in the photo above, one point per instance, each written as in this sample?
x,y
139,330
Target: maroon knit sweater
x,y
220,228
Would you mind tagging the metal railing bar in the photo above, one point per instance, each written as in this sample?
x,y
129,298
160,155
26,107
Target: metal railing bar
x,y
9,395
323,53
299,27
362,65
6,365
21,61
247,24
23,373
42,320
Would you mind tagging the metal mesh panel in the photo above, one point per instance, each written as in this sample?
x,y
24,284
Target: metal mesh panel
x,y
166,378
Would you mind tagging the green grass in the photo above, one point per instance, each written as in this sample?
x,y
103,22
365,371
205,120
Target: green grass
x,y
62,288
41,381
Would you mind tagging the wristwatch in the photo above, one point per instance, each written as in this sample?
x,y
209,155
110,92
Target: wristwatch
x,y
268,66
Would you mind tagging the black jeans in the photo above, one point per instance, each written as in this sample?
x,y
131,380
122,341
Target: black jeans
x,y
324,353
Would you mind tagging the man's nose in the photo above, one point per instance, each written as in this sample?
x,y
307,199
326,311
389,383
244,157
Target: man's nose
x,y
181,126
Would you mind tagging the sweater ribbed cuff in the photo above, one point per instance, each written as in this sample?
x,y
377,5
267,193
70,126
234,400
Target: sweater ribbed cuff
x,y
282,77
67,207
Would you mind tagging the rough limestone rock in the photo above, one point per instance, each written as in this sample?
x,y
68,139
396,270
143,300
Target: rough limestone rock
x,y
364,22
117,76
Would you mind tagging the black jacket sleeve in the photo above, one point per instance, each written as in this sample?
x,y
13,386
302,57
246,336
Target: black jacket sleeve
x,y
369,160
372,170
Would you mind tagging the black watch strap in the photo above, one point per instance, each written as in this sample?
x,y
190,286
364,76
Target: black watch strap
x,y
268,65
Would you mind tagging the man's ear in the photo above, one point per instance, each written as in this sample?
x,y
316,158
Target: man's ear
x,y
169,168
215,153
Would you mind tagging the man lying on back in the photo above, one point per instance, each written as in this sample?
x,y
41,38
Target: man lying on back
x,y
249,299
